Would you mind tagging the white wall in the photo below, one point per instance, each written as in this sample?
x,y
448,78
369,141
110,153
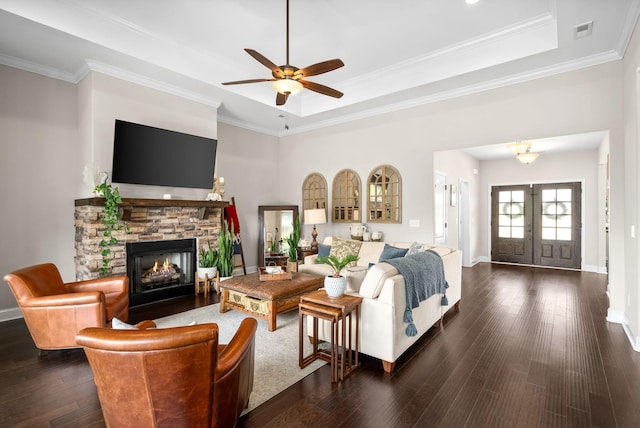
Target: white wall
x,y
107,99
249,162
625,296
39,167
459,165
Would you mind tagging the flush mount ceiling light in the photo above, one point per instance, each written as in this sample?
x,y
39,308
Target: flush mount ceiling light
x,y
523,152
471,1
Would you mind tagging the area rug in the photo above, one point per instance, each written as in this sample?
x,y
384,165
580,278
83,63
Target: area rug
x,y
276,363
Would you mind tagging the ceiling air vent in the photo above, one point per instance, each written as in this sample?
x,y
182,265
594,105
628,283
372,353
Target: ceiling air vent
x,y
582,30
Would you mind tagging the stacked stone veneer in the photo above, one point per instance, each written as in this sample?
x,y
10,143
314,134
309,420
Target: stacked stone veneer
x,y
178,220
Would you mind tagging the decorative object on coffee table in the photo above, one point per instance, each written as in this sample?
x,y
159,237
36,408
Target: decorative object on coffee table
x,y
274,273
315,216
336,284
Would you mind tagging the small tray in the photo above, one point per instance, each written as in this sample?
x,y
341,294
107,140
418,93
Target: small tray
x,y
264,276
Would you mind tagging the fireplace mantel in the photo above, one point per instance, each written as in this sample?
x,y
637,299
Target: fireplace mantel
x,y
128,204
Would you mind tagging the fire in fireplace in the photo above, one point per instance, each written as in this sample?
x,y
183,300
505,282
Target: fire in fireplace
x,y
160,270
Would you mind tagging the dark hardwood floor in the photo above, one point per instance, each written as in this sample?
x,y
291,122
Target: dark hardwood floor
x,y
530,347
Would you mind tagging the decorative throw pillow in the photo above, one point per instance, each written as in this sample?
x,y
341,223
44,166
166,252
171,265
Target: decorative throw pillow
x,y
391,252
116,324
355,276
417,248
343,247
323,250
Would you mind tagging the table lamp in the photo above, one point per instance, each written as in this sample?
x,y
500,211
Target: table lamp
x,y
315,216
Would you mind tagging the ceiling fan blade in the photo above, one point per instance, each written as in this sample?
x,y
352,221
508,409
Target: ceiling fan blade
x,y
281,98
321,89
240,82
277,71
319,68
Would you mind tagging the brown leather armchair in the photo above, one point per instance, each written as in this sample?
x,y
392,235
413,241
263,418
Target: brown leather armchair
x,y
173,377
55,312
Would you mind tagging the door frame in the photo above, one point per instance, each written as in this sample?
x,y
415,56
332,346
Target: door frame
x,y
582,213
464,233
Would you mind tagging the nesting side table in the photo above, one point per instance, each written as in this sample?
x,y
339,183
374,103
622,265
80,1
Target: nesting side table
x,y
343,353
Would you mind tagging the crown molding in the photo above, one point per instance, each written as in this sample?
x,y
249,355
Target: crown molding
x,y
92,65
32,67
463,91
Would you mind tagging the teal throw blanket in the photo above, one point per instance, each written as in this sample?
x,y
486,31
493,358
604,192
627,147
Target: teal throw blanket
x,y
423,277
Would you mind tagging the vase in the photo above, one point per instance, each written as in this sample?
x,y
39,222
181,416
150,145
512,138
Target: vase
x,y
209,271
292,266
335,286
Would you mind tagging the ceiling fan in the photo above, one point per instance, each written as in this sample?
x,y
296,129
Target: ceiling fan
x,y
288,79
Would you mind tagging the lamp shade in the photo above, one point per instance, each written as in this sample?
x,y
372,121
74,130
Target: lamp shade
x,y
315,216
527,157
287,85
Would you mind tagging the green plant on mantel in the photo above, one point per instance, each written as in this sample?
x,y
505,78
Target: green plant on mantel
x,y
110,220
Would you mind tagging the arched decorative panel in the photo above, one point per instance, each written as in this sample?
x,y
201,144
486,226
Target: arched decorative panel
x,y
384,200
346,197
314,192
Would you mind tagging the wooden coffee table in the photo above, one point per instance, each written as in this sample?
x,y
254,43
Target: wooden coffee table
x,y
266,299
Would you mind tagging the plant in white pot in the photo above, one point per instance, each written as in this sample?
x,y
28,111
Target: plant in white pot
x,y
208,264
336,284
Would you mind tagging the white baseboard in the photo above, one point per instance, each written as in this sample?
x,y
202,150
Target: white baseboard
x,y
10,314
620,318
594,268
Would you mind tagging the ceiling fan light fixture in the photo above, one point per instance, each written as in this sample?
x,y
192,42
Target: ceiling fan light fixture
x,y
287,85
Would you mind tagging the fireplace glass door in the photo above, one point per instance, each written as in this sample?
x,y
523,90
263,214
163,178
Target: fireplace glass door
x,y
159,270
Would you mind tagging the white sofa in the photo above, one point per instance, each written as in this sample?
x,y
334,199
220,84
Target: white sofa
x,y
382,329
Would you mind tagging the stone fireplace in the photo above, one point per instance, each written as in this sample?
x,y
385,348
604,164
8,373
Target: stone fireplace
x,y
170,230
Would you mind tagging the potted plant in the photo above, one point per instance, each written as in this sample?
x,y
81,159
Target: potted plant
x,y
336,284
292,241
208,264
225,251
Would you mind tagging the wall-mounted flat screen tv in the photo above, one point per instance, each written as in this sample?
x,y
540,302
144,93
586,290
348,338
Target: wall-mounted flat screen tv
x,y
146,155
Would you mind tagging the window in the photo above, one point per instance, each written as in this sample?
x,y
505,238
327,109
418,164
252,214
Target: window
x,y
511,214
556,214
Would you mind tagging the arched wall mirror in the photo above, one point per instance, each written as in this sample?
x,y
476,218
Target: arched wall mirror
x,y
314,192
346,197
276,224
384,195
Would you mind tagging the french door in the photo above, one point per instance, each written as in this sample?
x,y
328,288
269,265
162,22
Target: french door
x,y
537,224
